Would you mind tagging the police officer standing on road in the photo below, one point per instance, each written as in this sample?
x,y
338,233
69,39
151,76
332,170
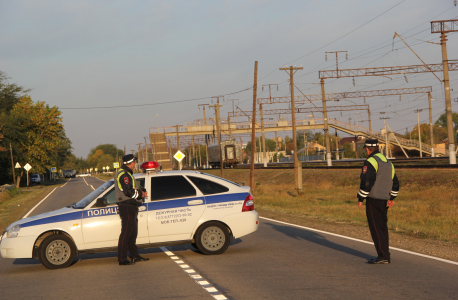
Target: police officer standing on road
x,y
129,196
379,186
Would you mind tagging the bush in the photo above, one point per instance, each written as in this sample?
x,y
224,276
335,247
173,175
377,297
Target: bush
x,y
13,192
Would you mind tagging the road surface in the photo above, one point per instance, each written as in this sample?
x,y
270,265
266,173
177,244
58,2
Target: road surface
x,y
279,261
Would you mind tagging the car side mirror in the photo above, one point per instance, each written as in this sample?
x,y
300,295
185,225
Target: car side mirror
x,y
101,202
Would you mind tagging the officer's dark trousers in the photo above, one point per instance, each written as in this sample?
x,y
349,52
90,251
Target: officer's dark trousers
x,y
129,230
376,212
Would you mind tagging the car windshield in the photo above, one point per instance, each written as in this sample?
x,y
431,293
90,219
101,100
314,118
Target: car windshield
x,y
89,198
35,176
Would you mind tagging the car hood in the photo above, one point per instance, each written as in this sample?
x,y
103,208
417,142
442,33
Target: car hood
x,y
61,211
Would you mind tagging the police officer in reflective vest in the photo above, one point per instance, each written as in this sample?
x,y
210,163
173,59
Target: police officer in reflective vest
x,y
379,187
129,196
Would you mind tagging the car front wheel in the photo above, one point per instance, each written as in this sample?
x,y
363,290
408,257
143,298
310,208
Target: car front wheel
x,y
212,238
57,251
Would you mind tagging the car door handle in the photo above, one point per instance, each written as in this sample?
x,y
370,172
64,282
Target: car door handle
x,y
142,208
195,202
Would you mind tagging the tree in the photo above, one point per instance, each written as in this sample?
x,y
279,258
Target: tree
x,y
9,93
348,151
36,131
442,120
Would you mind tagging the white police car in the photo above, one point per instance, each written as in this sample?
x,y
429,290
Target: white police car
x,y
183,207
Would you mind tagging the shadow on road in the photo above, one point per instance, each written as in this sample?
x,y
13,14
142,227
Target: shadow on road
x,y
313,237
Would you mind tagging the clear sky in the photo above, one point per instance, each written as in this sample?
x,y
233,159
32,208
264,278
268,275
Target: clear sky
x,y
86,54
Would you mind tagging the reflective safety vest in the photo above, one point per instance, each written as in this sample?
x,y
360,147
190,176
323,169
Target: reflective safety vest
x,y
384,177
120,197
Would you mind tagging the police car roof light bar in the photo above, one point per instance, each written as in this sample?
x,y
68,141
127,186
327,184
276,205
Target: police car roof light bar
x,y
149,166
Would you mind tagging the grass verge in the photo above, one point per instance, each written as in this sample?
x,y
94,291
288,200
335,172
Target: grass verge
x,y
427,206
15,203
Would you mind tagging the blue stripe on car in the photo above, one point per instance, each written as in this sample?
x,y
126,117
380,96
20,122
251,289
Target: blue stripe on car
x,y
225,198
54,219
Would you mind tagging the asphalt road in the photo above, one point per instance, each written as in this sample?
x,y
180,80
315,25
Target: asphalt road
x,y
279,261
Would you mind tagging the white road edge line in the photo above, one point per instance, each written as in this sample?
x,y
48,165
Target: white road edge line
x,y
361,241
194,275
38,204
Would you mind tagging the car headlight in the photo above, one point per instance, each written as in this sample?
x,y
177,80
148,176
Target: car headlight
x,y
13,231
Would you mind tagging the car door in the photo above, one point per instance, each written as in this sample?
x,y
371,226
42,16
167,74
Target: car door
x,y
101,226
174,209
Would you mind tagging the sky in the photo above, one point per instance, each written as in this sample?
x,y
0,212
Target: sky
x,y
117,68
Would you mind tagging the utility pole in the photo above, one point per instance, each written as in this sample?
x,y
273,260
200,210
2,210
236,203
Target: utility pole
x,y
297,166
264,158
386,137
12,164
431,125
419,134
178,144
445,27
253,126
124,149
218,129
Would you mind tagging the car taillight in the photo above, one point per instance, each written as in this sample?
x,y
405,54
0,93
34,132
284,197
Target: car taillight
x,y
248,205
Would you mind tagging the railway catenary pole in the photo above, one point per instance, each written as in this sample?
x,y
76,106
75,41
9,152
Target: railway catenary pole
x,y
431,125
229,127
276,146
326,126
193,152
218,130
337,147
139,152
178,144
297,171
445,27
386,137
253,124
418,125
264,158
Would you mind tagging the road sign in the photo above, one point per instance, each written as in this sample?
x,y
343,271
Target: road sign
x,y
27,167
107,167
53,169
115,165
103,168
18,166
179,156
95,169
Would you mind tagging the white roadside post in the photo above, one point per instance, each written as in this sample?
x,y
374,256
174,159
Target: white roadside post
x,y
179,157
27,167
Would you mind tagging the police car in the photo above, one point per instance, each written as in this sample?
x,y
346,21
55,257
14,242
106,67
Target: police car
x,y
183,207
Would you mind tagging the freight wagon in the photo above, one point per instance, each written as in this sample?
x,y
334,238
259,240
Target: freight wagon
x,y
231,154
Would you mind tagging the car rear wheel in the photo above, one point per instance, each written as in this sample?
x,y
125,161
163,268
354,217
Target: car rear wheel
x,y
57,251
212,238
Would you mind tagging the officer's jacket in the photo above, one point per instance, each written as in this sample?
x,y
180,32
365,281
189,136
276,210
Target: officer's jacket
x,y
378,179
128,191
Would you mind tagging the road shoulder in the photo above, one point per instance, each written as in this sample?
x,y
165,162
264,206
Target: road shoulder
x,y
447,250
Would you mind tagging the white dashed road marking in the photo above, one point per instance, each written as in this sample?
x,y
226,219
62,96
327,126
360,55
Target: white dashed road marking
x,y
361,241
193,274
